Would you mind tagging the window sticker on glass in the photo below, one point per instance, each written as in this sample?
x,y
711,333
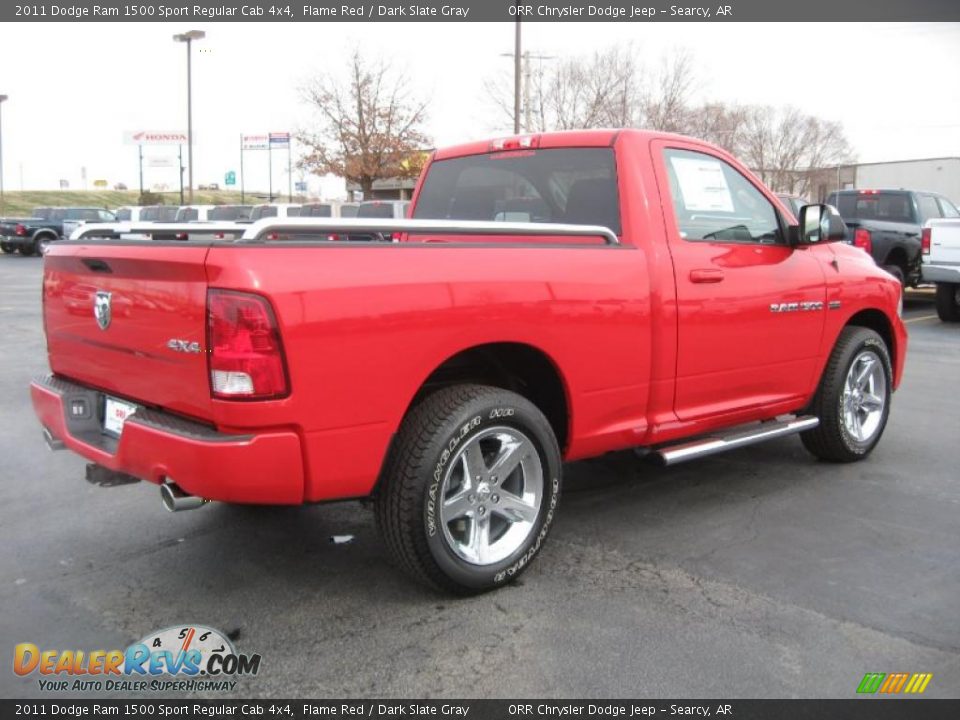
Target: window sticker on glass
x,y
702,184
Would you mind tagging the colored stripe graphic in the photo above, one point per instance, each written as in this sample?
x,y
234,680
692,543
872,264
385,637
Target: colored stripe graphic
x,y
871,682
894,683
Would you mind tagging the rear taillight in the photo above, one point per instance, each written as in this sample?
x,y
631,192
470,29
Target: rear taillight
x,y
861,238
333,237
245,352
181,236
20,230
925,241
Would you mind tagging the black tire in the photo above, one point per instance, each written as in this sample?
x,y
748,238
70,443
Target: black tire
x,y
26,250
948,301
7,248
41,242
831,440
425,452
898,272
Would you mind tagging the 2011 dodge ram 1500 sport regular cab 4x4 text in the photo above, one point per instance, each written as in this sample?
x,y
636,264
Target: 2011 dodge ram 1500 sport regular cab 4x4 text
x,y
550,298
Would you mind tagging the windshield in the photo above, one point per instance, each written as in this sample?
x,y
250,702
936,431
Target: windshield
x,y
884,206
566,185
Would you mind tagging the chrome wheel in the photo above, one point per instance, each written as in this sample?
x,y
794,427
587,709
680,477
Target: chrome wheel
x,y
864,396
491,495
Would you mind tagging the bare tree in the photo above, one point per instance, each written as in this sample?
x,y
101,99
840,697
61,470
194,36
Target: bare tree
x,y
600,90
784,147
666,103
368,127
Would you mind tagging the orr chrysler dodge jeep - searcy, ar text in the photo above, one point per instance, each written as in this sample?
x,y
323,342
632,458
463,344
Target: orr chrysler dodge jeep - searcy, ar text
x,y
548,298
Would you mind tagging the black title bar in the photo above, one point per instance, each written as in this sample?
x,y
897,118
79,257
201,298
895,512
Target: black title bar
x,y
854,709
483,11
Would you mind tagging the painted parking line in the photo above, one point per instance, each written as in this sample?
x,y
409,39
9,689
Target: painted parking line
x,y
919,319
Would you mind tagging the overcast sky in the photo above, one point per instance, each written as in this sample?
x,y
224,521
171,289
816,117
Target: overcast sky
x,y
75,87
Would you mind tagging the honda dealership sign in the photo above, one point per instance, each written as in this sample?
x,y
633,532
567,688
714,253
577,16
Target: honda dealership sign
x,y
155,137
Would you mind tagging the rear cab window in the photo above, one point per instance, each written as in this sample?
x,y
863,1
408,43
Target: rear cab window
x,y
948,209
929,209
376,210
556,185
874,205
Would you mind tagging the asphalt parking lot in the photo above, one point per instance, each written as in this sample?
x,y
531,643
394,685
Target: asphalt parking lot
x,y
760,573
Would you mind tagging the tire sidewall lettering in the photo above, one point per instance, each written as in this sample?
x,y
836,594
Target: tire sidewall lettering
x,y
439,470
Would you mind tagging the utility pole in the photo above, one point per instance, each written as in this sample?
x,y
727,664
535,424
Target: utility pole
x,y
188,38
517,60
3,99
522,88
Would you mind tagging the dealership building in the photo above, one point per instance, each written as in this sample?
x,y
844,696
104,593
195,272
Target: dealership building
x,y
939,175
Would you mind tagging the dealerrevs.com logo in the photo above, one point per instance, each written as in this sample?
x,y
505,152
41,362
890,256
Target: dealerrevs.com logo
x,y
185,658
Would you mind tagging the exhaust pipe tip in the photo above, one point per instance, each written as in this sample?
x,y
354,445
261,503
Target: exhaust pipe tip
x,y
174,499
53,444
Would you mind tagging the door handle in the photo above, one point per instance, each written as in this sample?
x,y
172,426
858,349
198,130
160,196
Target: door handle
x,y
706,276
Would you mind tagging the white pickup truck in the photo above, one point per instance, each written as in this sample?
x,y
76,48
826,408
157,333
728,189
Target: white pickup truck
x,y
940,253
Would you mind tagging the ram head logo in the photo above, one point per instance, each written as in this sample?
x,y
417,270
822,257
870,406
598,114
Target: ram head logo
x,y
101,309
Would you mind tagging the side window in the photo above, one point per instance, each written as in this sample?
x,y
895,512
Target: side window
x,y
928,207
124,214
713,202
948,209
293,212
106,216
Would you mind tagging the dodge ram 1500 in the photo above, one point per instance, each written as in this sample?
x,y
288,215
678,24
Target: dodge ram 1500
x,y
549,298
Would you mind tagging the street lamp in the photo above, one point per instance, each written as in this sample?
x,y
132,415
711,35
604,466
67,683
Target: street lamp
x,y
3,99
188,38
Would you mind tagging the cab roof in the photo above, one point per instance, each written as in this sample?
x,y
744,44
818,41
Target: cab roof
x,y
558,139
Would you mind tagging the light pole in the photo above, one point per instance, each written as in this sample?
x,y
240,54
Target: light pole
x,y
188,38
517,59
3,99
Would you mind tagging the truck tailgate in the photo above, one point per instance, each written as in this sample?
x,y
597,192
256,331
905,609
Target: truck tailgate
x,y
123,319
945,242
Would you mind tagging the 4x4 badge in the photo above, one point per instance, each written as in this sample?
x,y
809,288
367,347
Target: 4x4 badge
x,y
101,308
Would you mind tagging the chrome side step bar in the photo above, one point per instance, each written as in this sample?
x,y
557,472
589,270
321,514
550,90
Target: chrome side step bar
x,y
673,454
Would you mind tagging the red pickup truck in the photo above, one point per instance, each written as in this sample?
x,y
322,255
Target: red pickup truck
x,y
550,298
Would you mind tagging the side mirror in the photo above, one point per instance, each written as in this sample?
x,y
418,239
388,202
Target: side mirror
x,y
819,224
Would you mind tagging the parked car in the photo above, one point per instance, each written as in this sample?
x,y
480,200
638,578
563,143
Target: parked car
x,y
80,216
940,242
333,209
230,212
274,210
887,224
383,209
672,308
193,213
34,235
159,213
129,213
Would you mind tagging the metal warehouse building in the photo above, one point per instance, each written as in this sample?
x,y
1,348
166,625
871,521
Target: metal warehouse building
x,y
940,175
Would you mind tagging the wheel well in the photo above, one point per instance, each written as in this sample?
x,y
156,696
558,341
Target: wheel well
x,y
877,321
520,368
898,256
